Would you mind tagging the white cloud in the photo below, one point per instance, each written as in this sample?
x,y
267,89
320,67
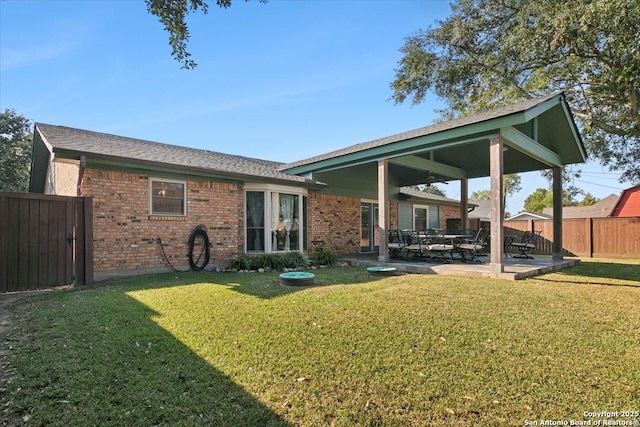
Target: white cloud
x,y
12,59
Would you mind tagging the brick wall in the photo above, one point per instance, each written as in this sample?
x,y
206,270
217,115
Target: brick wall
x,y
334,223
447,212
125,235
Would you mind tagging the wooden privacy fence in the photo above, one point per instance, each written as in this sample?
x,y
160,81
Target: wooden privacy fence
x,y
45,241
586,237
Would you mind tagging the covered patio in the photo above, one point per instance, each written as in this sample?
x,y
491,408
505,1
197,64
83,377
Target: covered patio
x,y
537,134
513,269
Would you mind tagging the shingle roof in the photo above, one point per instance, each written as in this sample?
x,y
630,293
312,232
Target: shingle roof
x,y
482,210
427,130
75,142
600,209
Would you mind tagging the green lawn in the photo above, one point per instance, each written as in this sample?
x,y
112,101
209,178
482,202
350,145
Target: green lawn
x,y
241,350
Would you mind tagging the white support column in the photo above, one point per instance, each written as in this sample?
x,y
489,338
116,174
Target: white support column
x,y
496,145
383,209
464,204
556,252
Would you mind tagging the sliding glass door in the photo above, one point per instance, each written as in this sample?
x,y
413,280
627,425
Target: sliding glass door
x,y
369,230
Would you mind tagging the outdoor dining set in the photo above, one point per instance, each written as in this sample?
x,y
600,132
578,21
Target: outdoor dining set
x,y
443,245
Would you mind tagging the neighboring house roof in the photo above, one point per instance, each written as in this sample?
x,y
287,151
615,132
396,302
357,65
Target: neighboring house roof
x,y
481,211
412,193
600,209
522,216
102,148
628,204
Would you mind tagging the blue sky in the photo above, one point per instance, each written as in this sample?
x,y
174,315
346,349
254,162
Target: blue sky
x,y
281,81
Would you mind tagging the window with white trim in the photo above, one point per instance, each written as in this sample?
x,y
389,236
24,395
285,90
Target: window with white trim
x,y
420,217
167,197
274,218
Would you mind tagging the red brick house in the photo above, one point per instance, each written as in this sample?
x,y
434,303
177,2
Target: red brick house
x,y
144,192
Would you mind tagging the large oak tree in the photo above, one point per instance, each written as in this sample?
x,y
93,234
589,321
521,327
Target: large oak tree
x,y
173,15
489,53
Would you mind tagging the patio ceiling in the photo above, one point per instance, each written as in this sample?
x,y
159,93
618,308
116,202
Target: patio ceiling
x,y
538,134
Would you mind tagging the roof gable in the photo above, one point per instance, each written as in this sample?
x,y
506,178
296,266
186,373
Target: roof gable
x,y
539,133
524,215
421,132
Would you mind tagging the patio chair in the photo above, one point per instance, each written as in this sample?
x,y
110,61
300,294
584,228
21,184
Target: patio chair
x,y
413,243
526,245
396,243
472,248
440,247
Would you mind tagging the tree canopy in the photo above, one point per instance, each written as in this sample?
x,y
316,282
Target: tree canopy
x,y
431,189
538,200
15,151
543,198
511,182
173,14
481,195
588,200
489,53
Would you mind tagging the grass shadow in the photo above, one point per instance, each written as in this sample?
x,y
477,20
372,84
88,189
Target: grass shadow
x,y
267,285
260,285
599,273
139,373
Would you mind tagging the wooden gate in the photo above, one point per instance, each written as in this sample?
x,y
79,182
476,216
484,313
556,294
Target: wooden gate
x,y
45,241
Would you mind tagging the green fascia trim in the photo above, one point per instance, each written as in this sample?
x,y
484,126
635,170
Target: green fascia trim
x,y
40,156
390,151
435,141
544,106
443,139
521,142
418,163
370,159
574,131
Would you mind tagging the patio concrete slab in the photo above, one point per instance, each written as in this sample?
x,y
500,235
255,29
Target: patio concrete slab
x,y
514,268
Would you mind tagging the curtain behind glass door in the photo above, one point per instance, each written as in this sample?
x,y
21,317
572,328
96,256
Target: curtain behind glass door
x,y
365,227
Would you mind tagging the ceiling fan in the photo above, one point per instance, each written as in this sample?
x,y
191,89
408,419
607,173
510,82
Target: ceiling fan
x,y
430,179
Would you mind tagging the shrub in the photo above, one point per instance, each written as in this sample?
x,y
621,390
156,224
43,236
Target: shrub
x,y
323,257
241,262
296,260
272,261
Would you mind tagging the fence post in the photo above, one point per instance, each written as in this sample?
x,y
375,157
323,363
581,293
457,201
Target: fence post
x,y
589,236
88,240
4,229
84,241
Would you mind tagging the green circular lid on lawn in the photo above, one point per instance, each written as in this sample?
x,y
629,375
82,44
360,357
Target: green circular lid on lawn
x,y
381,271
297,278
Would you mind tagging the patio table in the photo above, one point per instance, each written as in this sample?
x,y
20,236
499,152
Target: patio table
x,y
454,237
